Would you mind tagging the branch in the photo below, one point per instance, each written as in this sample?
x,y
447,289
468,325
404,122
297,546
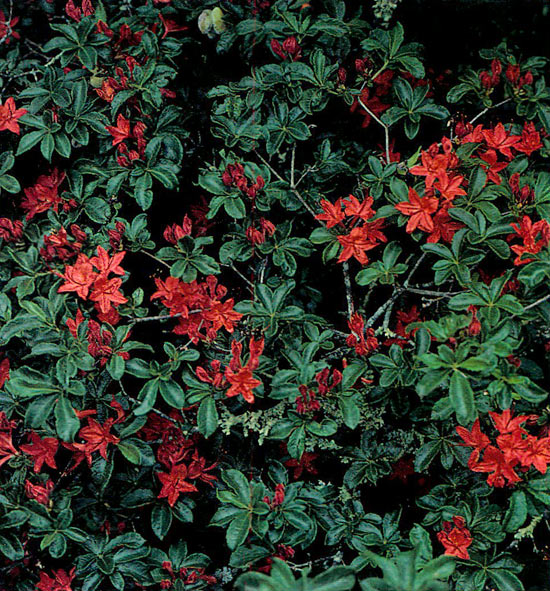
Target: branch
x,y
380,122
293,189
347,283
537,302
480,114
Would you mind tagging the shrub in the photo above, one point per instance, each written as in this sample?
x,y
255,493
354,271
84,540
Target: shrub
x,y
274,301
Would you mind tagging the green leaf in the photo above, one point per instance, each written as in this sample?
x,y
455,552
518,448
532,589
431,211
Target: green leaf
x,y
207,416
505,580
161,520
172,393
237,531
462,398
517,512
66,421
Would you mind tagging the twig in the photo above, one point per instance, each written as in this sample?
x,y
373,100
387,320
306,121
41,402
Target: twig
x,y
480,114
232,266
379,121
160,318
293,189
397,292
292,163
160,261
537,302
347,283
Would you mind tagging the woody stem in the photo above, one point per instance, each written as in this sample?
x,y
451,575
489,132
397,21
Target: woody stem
x,y
481,113
293,189
380,122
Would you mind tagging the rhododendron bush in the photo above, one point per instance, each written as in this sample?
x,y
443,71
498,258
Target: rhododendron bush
x,y
274,296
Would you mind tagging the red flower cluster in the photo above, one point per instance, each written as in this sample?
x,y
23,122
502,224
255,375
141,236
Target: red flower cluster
x,y
4,371
76,13
456,538
9,114
11,231
278,497
403,320
361,338
97,437
174,233
442,186
123,132
198,306
363,235
523,194
6,29
290,49
239,376
305,463
493,142
7,449
98,340
258,236
57,245
187,576
180,456
42,451
61,581
535,237
515,449
105,292
234,176
490,80
44,195
41,494
307,400
283,552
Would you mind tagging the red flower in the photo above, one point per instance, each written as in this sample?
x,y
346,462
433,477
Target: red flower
x,y
174,483
41,494
455,538
419,209
444,227
307,401
174,233
97,438
240,376
122,130
106,293
61,581
359,210
494,462
506,424
9,114
304,463
474,438
171,26
355,244
332,213
493,166
79,277
535,237
4,371
86,9
530,140
500,140
362,339
44,194
7,450
41,450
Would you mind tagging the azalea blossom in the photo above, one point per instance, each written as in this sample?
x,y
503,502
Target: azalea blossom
x,y
456,538
9,114
419,210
